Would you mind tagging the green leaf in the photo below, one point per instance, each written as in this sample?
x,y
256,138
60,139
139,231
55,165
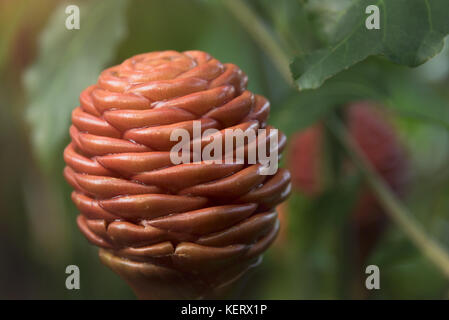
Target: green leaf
x,y
411,32
326,14
68,61
303,109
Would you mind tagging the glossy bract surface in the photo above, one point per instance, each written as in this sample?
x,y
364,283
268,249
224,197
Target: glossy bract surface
x,y
198,218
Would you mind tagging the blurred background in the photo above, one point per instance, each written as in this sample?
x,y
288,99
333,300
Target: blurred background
x,y
332,225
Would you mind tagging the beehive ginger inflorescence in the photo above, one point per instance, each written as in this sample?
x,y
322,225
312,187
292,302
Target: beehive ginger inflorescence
x,y
200,224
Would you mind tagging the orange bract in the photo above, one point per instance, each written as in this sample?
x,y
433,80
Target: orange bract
x,y
196,219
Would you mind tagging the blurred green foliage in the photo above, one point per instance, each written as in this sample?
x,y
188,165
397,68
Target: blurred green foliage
x,y
66,61
44,67
410,32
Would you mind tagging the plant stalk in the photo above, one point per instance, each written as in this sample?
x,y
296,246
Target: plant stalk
x,y
262,35
394,208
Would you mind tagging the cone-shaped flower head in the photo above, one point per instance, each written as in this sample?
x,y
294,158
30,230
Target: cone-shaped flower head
x,y
202,220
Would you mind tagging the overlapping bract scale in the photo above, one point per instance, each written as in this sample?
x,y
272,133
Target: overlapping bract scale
x,y
192,217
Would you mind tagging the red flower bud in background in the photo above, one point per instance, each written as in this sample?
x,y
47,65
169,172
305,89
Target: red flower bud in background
x,y
377,140
171,231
